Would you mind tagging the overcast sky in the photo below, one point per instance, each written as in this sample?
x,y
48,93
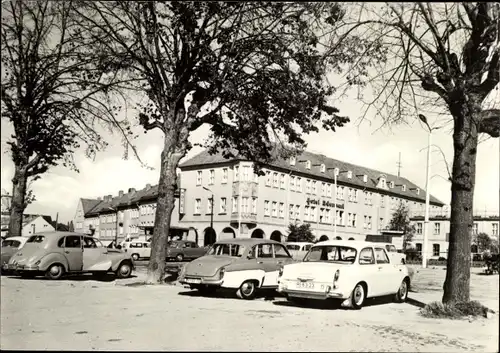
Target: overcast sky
x,y
366,145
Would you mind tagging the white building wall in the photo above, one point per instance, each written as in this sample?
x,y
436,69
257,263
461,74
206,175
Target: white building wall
x,y
38,225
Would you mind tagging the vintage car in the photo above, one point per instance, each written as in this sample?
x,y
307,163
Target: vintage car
x,y
10,247
350,271
298,249
184,249
244,265
393,253
54,254
138,249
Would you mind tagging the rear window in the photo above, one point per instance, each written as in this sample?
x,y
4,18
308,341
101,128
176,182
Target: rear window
x,y
36,239
331,253
11,243
292,247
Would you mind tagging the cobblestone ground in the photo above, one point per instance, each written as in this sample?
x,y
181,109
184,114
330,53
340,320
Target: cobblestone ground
x,y
81,313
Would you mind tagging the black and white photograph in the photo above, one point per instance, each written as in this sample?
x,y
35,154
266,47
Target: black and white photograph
x,y
250,176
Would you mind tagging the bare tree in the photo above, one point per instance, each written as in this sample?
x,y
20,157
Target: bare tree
x,y
253,71
54,92
442,59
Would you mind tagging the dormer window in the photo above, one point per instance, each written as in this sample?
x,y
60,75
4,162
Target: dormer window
x,y
322,168
404,188
391,185
292,160
418,191
365,178
349,174
308,164
382,183
336,171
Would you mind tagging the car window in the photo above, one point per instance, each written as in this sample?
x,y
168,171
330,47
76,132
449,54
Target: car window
x,y
89,243
366,257
307,247
265,251
226,249
11,243
292,247
60,242
280,251
98,243
136,245
36,239
73,241
392,248
145,245
381,256
331,253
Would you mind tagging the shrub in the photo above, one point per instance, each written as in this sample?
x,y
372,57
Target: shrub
x,y
454,310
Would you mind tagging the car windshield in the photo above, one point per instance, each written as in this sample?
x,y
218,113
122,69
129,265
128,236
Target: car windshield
x,y
331,253
36,239
292,247
235,250
11,243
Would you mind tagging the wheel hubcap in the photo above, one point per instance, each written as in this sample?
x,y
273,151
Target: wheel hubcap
x,y
359,294
403,290
125,269
247,288
54,270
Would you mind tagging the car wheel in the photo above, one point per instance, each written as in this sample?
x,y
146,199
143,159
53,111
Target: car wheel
x,y
247,290
124,270
179,257
55,271
402,293
135,257
358,296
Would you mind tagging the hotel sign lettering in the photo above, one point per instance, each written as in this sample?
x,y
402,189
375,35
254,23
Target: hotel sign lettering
x,y
324,203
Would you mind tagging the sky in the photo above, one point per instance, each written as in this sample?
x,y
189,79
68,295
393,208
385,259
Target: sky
x,y
365,144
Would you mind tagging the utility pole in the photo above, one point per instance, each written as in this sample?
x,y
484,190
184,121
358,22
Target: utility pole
x,y
57,219
399,165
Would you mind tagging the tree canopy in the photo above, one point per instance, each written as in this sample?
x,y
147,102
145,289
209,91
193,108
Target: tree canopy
x,y
300,233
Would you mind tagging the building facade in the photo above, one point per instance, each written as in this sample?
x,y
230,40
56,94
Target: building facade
x,y
220,198
439,232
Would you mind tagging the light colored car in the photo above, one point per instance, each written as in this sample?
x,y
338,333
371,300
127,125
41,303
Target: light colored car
x,y
298,249
244,265
54,254
181,250
396,257
350,271
10,247
137,249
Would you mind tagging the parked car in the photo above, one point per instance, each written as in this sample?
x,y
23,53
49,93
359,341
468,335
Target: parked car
x,y
181,250
10,247
54,254
393,253
298,249
244,265
350,271
138,249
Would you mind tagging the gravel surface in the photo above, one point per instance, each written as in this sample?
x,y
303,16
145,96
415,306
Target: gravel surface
x,y
81,313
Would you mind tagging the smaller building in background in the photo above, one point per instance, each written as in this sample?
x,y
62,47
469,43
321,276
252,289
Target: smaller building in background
x,y
439,231
35,223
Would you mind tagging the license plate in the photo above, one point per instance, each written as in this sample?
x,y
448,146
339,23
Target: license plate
x,y
193,280
305,285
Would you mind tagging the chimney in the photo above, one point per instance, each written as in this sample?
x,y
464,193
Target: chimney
x,y
120,193
110,197
131,190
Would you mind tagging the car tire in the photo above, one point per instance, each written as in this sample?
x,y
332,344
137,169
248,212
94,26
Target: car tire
x,y
402,294
358,296
247,290
179,257
54,272
124,270
135,257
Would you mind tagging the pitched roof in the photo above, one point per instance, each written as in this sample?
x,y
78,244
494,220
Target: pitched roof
x,y
89,204
204,158
27,218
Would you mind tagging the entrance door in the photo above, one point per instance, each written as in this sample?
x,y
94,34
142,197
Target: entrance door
x,y
73,251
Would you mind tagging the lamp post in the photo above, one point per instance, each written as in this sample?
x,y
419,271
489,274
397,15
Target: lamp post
x,y
427,193
211,208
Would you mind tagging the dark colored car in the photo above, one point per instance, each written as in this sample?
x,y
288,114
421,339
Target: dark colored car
x,y
184,249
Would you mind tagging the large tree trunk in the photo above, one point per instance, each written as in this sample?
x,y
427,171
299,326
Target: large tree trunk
x,y
17,206
167,185
465,140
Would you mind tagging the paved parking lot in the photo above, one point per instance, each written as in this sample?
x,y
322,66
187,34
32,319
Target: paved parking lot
x,y
81,313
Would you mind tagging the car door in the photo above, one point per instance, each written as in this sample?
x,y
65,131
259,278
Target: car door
x,y
73,251
368,271
189,250
386,272
267,262
93,256
281,258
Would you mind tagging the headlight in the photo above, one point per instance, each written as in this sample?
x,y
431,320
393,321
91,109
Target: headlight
x,y
221,272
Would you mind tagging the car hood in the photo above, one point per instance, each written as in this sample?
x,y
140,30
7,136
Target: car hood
x,y
316,271
207,266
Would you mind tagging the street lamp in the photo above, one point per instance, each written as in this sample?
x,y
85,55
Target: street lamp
x,y
427,194
211,208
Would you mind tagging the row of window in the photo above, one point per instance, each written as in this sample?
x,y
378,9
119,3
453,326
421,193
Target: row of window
x,y
248,205
247,174
436,249
475,228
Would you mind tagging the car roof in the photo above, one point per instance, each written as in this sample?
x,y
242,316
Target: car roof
x,y
21,239
357,244
58,234
247,241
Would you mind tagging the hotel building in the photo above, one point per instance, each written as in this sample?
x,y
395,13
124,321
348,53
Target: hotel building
x,y
241,204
